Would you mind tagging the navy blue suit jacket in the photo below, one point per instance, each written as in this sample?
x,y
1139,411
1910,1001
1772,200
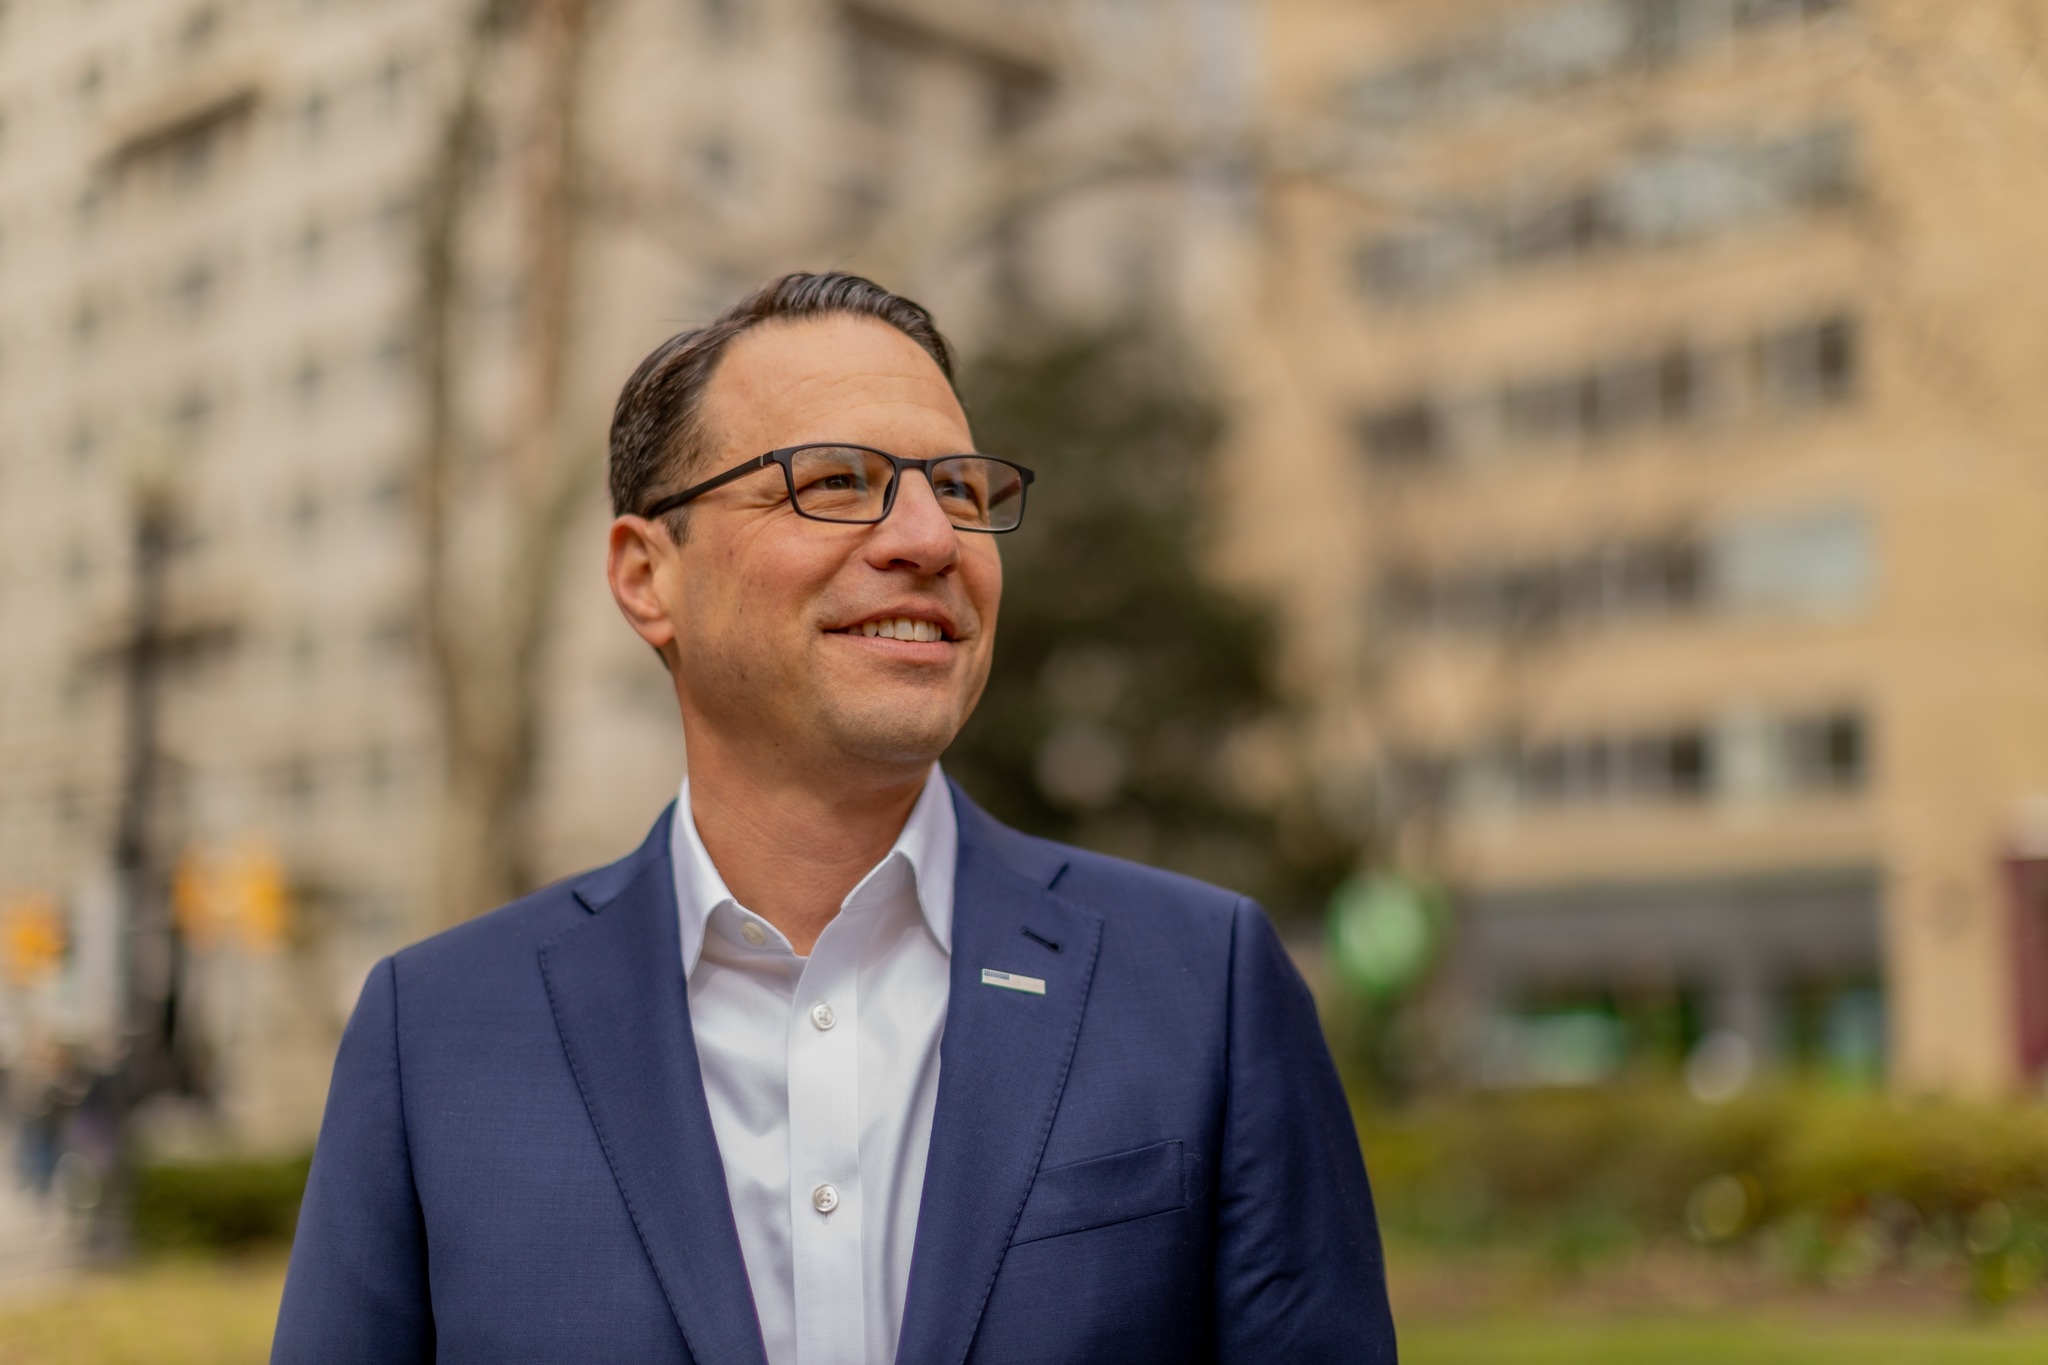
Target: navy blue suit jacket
x,y
1153,1161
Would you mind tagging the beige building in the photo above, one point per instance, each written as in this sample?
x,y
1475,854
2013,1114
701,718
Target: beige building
x,y
1667,374
209,236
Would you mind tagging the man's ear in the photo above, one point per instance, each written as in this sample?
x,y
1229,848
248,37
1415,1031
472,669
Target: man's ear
x,y
634,554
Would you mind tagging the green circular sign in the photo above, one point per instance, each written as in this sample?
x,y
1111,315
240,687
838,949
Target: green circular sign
x,y
1382,931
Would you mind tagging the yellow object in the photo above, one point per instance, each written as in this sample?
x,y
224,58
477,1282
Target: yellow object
x,y
261,900
32,938
241,893
195,898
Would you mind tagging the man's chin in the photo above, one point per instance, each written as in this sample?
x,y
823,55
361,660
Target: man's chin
x,y
894,737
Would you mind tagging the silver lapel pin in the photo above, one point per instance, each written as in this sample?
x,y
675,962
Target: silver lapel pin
x,y
1010,981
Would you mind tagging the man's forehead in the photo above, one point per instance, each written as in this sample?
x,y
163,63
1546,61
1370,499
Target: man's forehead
x,y
782,379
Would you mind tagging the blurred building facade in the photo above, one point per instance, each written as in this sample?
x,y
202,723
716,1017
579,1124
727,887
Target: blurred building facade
x,y
1682,582
209,282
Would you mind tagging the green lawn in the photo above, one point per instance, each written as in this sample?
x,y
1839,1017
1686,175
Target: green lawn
x,y
220,1313
162,1313
1681,1341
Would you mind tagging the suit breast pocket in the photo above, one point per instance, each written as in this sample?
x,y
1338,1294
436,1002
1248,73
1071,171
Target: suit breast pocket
x,y
1103,1190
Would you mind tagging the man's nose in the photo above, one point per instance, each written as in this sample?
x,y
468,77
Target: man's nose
x,y
916,533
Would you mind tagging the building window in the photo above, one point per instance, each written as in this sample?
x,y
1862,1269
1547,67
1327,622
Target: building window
x,y
1809,365
85,324
312,117
1680,194
308,380
1637,393
305,512
83,442
1815,560
1647,767
78,564
191,410
200,29
395,215
864,197
395,636
1804,561
1647,578
1407,435
1826,753
309,248
1016,101
192,289
393,356
391,496
91,84
1744,757
1558,47
877,71
379,771
715,163
722,18
297,782
190,159
1541,411
393,77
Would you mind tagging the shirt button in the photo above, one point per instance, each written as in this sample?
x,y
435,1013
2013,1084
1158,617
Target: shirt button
x,y
822,1016
753,933
824,1199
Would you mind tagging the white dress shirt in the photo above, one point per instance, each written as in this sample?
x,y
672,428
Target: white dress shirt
x,y
821,1074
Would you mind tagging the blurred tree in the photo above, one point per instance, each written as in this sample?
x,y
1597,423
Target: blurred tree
x,y
1131,708
495,495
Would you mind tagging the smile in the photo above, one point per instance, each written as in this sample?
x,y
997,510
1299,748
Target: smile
x,y
899,628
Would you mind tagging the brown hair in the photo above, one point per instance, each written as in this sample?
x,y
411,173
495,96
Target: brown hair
x,y
658,433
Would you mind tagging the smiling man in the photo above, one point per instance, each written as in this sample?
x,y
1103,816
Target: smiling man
x,y
835,1069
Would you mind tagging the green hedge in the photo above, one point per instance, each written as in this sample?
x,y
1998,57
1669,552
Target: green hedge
x,y
1827,1186
218,1205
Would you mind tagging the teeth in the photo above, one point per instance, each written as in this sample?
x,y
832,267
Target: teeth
x,y
903,628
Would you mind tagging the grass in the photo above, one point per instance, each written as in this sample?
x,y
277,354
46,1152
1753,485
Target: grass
x,y
1687,1341
1672,1305
163,1312
198,1312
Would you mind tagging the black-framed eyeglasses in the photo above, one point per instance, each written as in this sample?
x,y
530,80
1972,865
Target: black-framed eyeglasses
x,y
856,485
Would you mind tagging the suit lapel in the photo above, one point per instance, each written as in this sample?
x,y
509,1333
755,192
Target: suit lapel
x,y
615,982
1002,1067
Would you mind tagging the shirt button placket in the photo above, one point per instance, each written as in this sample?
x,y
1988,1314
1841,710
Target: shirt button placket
x,y
824,1135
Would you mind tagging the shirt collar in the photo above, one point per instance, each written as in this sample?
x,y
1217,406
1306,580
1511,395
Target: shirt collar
x,y
929,845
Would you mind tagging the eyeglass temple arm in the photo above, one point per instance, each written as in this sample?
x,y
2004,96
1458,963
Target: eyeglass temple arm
x,y
675,500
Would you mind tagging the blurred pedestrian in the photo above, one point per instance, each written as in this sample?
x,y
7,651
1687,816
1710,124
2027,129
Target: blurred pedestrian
x,y
835,1068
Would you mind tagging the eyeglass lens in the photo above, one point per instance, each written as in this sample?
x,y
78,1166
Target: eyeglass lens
x,y
845,483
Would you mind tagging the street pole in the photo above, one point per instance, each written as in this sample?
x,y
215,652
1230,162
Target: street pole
x,y
147,1057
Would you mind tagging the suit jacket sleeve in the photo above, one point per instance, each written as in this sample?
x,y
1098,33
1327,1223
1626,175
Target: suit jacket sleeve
x,y
1298,1270
357,1287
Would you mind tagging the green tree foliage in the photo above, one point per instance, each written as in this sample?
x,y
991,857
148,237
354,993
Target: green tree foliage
x,y
218,1205
1125,681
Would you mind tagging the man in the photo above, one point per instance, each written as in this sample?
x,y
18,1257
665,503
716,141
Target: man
x,y
835,1068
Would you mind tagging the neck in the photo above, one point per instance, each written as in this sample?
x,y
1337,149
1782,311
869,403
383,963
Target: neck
x,y
790,846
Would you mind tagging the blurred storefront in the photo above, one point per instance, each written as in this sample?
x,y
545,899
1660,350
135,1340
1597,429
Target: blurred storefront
x,y
1676,575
